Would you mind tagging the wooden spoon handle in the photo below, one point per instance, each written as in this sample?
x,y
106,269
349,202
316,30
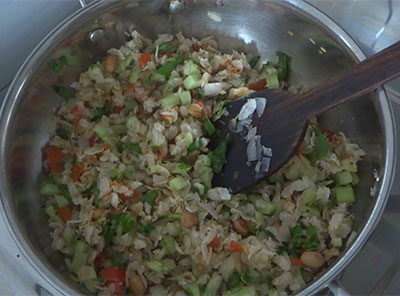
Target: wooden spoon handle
x,y
356,81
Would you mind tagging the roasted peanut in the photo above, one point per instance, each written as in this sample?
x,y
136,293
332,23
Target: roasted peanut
x,y
97,213
189,219
311,259
136,285
110,64
240,226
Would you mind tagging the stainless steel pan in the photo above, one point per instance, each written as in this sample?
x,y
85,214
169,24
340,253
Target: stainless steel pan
x,y
319,49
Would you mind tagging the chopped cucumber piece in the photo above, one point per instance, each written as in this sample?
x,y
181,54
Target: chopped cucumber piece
x,y
199,188
309,196
345,194
119,129
131,105
310,210
51,212
80,247
349,165
78,261
167,264
61,201
103,133
156,77
168,243
189,287
206,176
259,218
272,81
265,206
276,177
177,183
344,178
185,97
155,265
190,68
337,242
188,140
135,74
213,284
170,100
191,82
49,188
123,64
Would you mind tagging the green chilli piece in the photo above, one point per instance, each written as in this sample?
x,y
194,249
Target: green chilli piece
x,y
209,127
253,62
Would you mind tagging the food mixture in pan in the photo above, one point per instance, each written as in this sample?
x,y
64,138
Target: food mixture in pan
x,y
130,199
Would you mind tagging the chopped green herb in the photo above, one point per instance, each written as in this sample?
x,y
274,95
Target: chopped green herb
x,y
169,66
181,169
303,238
63,91
132,147
117,259
58,64
65,192
221,107
283,65
118,223
100,111
321,147
168,243
146,229
253,62
63,133
167,47
218,156
197,144
233,280
150,196
209,127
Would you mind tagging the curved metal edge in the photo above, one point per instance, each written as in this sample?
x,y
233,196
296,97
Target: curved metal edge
x,y
310,10
388,173
337,290
16,87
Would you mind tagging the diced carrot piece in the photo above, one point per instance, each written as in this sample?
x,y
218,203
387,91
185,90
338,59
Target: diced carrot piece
x,y
328,132
214,244
77,114
258,85
196,46
65,213
129,90
296,261
144,59
235,247
92,140
77,170
56,159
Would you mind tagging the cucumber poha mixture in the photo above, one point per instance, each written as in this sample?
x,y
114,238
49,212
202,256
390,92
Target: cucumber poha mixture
x,y
130,199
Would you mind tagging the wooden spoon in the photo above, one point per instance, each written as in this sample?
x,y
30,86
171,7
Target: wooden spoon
x,y
284,121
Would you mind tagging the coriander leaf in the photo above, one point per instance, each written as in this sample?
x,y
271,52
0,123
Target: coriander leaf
x,y
169,66
65,192
322,146
233,280
132,147
181,169
146,229
218,156
283,65
197,144
118,222
167,47
150,196
100,111
63,91
63,133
